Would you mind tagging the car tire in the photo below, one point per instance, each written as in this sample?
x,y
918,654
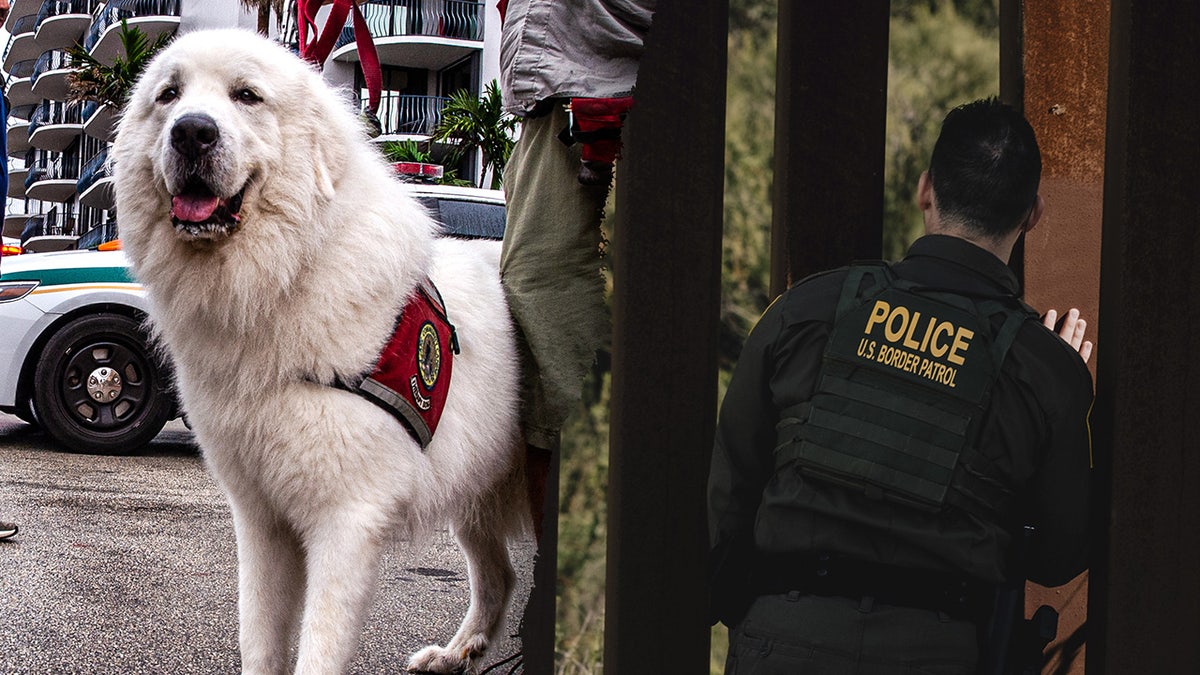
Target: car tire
x,y
99,388
25,413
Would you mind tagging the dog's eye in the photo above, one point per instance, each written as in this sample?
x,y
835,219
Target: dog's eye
x,y
167,95
247,95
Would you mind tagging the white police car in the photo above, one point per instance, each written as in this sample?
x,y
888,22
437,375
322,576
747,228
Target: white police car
x,y
73,350
75,359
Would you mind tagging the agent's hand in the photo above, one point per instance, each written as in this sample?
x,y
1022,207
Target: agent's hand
x,y
1071,328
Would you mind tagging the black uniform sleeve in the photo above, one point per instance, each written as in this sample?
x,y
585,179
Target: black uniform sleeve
x,y
777,368
1062,486
741,463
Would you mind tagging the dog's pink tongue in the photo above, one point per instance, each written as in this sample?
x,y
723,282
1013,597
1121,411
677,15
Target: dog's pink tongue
x,y
193,209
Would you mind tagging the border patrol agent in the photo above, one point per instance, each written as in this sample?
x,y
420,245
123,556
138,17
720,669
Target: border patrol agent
x,y
890,429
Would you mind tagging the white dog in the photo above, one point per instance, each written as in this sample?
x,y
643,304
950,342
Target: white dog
x,y
278,249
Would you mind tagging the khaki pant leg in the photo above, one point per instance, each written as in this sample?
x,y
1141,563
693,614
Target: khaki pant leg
x,y
550,267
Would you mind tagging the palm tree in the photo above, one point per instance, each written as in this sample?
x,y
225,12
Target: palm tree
x,y
469,123
264,9
93,81
406,151
413,151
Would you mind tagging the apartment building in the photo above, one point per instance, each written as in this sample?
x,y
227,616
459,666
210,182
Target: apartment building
x,y
60,190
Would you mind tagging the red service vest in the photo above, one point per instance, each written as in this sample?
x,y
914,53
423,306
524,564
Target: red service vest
x,y
412,376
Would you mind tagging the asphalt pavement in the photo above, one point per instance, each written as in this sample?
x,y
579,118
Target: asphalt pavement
x,y
128,565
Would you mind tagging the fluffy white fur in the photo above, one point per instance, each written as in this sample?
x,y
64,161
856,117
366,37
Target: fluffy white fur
x,y
328,249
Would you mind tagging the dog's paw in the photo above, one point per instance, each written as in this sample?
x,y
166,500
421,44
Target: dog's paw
x,y
443,660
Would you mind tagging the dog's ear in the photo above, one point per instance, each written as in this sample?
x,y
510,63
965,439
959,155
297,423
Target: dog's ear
x,y
327,155
322,177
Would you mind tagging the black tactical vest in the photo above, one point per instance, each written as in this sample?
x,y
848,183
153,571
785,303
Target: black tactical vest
x,y
904,381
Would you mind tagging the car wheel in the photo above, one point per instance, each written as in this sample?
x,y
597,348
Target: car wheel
x,y
98,387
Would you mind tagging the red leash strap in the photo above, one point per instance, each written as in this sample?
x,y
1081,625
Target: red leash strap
x,y
319,48
316,46
304,23
369,60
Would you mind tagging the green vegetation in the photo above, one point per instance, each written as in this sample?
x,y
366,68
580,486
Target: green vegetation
x,y
749,157
940,56
406,151
410,150
110,85
469,122
583,513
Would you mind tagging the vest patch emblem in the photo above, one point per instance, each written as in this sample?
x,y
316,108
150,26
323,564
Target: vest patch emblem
x,y
429,355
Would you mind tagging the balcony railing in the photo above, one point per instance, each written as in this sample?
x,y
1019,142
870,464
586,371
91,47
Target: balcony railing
x,y
461,19
408,114
23,69
93,170
49,61
54,112
97,235
25,24
35,174
35,226
22,112
21,26
53,166
59,7
126,9
54,223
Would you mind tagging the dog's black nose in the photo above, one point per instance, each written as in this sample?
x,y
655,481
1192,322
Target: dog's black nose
x,y
194,135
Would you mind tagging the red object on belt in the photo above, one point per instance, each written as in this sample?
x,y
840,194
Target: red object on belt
x,y
600,115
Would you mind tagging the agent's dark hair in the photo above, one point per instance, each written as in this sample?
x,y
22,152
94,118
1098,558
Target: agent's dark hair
x,y
986,167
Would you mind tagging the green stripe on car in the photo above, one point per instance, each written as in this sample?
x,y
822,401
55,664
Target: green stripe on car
x,y
77,275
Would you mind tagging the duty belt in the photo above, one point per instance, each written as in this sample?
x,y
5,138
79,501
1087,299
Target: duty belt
x,y
830,574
